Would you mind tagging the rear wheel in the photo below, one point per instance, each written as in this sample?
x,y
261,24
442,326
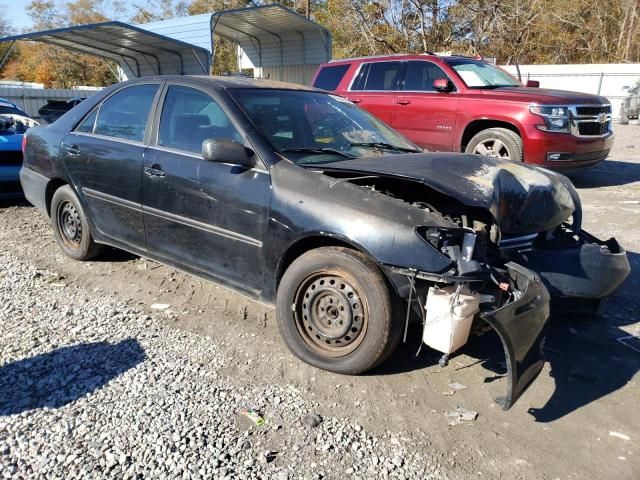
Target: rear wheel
x,y
71,227
497,142
335,311
624,118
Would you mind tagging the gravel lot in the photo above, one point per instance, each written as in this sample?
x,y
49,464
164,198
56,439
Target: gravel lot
x,y
95,383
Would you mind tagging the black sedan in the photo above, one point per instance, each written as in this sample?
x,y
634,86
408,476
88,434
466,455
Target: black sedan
x,y
301,199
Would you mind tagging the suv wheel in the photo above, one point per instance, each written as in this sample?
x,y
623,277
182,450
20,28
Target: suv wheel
x,y
70,225
624,119
497,142
335,312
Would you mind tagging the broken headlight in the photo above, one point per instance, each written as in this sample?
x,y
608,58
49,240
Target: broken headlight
x,y
456,243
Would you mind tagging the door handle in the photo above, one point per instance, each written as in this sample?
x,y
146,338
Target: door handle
x,y
154,171
355,100
403,102
72,150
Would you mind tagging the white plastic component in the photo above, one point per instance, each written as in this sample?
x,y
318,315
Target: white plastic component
x,y
449,318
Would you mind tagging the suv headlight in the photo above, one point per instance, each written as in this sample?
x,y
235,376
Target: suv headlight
x,y
556,119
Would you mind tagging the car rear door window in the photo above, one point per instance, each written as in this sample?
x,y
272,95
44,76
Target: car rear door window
x,y
125,114
190,117
378,76
419,76
329,77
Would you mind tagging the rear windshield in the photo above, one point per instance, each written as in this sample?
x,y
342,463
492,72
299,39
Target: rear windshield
x,y
329,77
6,109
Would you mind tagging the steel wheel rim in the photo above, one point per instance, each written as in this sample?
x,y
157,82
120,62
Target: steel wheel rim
x,y
330,314
493,147
69,224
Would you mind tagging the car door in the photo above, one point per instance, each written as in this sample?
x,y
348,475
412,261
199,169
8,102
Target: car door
x,y
373,88
103,157
424,115
205,215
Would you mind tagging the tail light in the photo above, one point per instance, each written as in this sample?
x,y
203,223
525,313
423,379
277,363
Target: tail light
x,y
24,144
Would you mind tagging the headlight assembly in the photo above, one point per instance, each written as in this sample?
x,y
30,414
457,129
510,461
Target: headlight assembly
x,y
556,119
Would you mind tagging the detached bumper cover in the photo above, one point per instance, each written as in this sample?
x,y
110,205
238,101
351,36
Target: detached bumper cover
x,y
587,272
521,325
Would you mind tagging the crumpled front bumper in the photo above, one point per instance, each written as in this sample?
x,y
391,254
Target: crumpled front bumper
x,y
521,325
579,278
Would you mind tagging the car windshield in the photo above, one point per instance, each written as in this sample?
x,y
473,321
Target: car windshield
x,y
479,74
313,127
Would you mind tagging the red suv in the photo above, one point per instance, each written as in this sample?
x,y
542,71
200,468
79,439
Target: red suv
x,y
455,103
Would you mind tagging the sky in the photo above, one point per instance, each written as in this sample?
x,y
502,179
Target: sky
x,y
15,11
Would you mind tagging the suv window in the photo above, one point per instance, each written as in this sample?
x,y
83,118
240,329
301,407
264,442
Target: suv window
x,y
125,114
329,77
419,76
378,76
190,117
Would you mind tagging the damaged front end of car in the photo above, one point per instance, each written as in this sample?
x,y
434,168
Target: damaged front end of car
x,y
474,295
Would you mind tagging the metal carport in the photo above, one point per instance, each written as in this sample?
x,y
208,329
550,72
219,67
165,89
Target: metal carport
x,y
139,52
275,41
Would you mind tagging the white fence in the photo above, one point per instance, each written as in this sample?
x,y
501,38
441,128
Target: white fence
x,y
32,99
607,80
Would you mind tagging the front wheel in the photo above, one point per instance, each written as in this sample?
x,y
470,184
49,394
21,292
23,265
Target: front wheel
x,y
70,225
497,142
335,312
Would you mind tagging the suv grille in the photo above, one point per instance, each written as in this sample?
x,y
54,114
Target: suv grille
x,y
11,158
593,110
590,120
593,128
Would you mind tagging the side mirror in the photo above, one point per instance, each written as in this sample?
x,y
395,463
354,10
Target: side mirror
x,y
442,85
227,151
533,83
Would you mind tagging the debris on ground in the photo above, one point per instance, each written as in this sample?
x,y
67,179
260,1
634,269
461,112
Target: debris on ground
x,y
160,306
311,420
252,415
461,415
457,386
622,436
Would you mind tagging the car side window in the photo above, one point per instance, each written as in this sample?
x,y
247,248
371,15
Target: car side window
x,y
378,76
88,123
126,113
419,76
190,117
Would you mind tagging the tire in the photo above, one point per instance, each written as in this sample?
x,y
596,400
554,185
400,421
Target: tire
x,y
70,225
311,309
624,119
509,144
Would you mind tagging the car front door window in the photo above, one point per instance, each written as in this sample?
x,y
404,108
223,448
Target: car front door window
x,y
190,117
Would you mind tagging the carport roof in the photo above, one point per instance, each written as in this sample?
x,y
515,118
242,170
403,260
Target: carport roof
x,y
139,52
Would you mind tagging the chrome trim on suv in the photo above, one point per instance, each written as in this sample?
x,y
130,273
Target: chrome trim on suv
x,y
601,120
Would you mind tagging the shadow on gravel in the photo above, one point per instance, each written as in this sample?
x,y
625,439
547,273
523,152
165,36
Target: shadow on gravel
x,y
66,374
609,173
14,202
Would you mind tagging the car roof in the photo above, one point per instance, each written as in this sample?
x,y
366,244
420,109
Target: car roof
x,y
401,56
3,100
225,82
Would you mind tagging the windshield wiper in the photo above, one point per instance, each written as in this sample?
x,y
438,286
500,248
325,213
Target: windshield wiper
x,y
318,150
383,146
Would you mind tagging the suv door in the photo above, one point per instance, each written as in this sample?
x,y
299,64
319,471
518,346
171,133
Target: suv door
x,y
424,115
103,157
208,216
373,88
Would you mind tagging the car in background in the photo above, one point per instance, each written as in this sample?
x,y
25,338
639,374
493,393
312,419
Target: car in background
x,y
630,107
54,109
13,124
462,104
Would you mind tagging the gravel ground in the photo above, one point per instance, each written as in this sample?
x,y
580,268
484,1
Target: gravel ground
x,y
92,388
95,383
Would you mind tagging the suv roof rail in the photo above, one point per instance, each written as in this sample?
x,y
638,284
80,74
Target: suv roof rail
x,y
364,57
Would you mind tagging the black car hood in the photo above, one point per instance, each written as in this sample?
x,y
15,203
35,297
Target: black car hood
x,y
522,199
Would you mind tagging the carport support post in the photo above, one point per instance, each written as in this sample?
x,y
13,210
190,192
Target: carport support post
x,y
600,82
6,55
